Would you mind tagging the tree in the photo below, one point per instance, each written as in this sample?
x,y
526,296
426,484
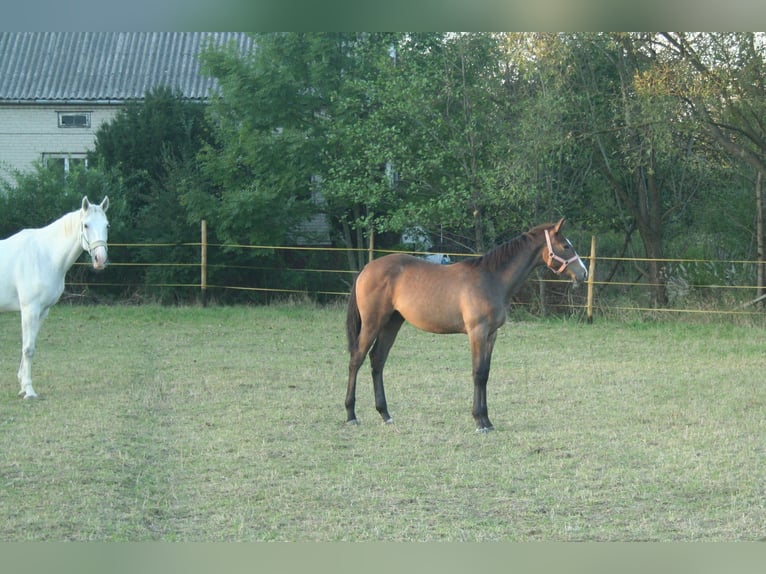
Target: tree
x,y
720,76
293,136
643,143
146,142
268,127
150,150
547,158
393,130
37,197
447,107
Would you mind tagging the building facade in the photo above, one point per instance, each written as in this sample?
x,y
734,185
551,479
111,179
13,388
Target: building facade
x,y
58,88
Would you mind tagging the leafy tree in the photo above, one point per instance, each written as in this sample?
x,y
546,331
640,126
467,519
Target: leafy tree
x,y
447,108
596,141
146,144
548,160
392,130
291,132
37,197
259,167
150,149
720,76
643,144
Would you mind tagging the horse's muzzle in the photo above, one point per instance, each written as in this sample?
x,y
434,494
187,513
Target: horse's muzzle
x,y
99,258
578,272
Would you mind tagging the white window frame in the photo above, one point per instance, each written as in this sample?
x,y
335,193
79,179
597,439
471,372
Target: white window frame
x,y
67,157
64,125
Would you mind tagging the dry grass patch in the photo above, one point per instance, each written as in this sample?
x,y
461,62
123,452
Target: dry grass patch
x,y
228,424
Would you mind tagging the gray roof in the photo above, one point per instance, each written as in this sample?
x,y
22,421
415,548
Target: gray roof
x,y
105,67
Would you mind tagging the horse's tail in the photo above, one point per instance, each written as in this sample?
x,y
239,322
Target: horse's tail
x,y
353,321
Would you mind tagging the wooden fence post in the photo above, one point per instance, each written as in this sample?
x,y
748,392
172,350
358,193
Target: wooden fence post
x,y
591,277
203,264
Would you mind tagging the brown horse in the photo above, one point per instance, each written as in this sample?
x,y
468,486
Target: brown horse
x,y
468,297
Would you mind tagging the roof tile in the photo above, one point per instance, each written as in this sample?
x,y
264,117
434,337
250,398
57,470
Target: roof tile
x,y
74,67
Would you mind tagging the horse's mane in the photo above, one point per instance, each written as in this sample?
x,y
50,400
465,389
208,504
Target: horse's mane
x,y
70,222
496,257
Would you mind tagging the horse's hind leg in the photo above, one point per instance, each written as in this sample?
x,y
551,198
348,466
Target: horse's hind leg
x,y
378,356
31,320
357,354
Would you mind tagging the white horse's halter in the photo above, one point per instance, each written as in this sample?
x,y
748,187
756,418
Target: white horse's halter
x,y
554,257
89,246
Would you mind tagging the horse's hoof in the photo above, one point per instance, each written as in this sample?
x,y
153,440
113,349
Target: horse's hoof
x,y
352,423
389,421
484,430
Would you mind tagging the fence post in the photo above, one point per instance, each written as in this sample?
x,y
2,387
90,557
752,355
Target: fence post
x,y
591,277
203,264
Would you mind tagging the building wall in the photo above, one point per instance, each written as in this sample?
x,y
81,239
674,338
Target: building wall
x,y
27,132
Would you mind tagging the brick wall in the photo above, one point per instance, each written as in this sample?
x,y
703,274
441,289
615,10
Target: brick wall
x,y
29,131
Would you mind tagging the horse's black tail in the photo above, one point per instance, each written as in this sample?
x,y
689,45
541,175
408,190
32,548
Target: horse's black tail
x,y
353,321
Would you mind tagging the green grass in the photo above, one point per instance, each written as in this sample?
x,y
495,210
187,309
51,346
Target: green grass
x,y
228,424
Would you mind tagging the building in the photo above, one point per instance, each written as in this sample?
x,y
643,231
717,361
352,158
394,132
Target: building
x,y
57,88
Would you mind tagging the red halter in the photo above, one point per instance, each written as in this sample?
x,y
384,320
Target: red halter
x,y
553,257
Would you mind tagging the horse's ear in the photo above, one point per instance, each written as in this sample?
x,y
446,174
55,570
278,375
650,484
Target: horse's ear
x,y
559,225
105,203
85,203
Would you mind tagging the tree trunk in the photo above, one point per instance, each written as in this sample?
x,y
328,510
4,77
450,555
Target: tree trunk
x,y
478,231
355,243
649,195
351,258
633,178
658,277
643,202
360,254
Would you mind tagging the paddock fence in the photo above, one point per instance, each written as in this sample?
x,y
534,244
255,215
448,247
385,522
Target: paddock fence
x,y
615,284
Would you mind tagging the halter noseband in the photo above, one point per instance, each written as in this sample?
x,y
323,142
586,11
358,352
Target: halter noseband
x,y
554,257
89,247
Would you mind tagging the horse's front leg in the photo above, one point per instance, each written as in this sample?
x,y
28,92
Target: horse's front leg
x,y
31,320
481,354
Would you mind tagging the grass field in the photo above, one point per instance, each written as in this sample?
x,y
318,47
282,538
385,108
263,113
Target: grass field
x,y
227,424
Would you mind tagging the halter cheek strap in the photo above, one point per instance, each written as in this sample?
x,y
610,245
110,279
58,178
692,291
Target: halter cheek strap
x,y
554,257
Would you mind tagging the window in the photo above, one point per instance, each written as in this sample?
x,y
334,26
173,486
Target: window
x,y
63,163
74,119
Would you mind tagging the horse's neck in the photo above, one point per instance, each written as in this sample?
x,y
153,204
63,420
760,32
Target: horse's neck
x,y
517,268
64,238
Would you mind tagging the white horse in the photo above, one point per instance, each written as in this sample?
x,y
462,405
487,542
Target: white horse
x,y
33,263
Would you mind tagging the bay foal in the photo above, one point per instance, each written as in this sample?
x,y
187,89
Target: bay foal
x,y
470,297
